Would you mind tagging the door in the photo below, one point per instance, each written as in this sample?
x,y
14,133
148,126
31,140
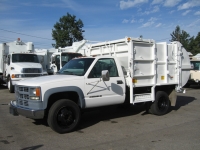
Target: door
x,y
57,62
102,93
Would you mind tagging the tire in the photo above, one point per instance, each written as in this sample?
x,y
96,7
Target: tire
x,y
11,87
187,85
161,104
64,116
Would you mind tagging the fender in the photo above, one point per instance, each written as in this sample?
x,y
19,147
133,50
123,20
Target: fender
x,y
49,92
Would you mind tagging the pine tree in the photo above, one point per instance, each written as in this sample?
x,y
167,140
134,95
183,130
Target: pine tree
x,y
67,31
196,45
182,36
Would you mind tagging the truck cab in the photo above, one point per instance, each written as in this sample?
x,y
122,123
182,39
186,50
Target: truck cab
x,y
18,63
85,82
20,66
64,55
59,59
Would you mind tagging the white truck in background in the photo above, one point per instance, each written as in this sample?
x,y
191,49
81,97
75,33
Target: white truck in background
x,y
126,70
60,58
45,59
53,59
194,78
17,62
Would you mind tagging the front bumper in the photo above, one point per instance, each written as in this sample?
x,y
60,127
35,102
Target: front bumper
x,y
15,81
16,110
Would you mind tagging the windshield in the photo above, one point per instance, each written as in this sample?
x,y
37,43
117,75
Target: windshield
x,y
195,65
76,66
65,57
25,58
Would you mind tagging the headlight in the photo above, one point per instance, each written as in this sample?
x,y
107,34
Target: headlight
x,y
35,93
16,76
34,98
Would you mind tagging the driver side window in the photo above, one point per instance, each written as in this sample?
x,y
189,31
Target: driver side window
x,y
104,64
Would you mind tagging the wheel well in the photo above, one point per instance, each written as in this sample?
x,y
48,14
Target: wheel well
x,y
8,77
71,95
166,88
170,91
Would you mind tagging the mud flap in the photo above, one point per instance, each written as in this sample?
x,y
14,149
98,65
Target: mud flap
x,y
173,98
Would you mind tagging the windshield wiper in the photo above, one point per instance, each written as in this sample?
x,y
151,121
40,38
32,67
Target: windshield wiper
x,y
71,73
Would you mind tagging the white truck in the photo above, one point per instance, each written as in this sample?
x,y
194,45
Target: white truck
x,y
126,70
194,78
17,62
45,59
53,60
60,58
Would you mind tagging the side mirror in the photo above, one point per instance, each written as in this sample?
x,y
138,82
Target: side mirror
x,y
53,59
42,59
8,60
105,75
4,59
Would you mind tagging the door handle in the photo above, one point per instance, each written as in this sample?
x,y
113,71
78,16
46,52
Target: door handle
x,y
119,82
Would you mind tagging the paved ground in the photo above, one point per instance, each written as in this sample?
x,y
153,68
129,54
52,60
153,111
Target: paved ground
x,y
109,128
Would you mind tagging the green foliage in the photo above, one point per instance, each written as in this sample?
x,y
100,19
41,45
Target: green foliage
x,y
67,31
195,45
182,36
191,44
176,34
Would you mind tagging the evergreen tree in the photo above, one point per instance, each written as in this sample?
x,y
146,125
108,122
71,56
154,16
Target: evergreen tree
x,y
182,36
196,44
176,34
67,31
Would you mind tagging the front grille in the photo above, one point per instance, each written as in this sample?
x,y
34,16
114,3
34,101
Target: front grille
x,y
31,70
23,89
25,103
25,96
22,95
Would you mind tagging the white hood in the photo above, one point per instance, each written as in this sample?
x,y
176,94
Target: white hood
x,y
51,79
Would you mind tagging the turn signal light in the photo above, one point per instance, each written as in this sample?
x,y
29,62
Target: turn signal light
x,y
37,91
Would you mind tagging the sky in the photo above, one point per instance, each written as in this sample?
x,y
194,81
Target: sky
x,y
104,20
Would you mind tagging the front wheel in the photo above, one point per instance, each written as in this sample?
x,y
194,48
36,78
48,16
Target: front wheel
x,y
64,116
10,86
161,104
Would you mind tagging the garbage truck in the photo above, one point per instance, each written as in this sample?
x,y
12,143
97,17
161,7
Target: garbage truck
x,y
53,59
64,55
60,58
17,62
128,70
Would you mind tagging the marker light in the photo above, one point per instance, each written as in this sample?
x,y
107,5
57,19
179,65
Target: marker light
x,y
128,39
37,91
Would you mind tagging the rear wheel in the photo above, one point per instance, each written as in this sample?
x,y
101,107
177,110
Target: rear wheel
x,y
161,104
187,85
64,116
